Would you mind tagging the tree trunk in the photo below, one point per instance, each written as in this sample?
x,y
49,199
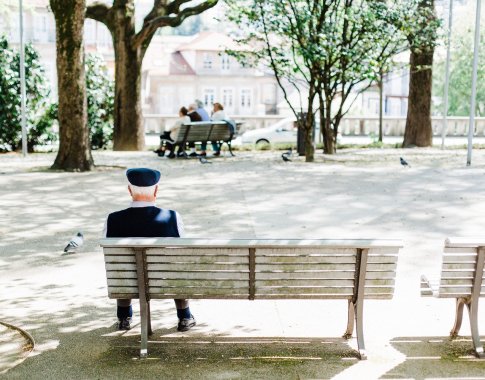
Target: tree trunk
x,y
418,130
380,84
128,129
328,137
74,148
309,128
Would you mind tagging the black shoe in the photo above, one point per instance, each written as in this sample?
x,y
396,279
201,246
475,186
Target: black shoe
x,y
161,153
203,154
193,154
171,155
124,324
186,324
181,154
217,154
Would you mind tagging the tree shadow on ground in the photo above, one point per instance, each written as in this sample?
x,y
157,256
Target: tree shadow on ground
x,y
436,357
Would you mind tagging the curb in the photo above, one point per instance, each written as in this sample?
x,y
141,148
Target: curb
x,y
27,336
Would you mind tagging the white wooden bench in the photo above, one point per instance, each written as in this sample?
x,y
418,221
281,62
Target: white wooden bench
x,y
253,269
461,278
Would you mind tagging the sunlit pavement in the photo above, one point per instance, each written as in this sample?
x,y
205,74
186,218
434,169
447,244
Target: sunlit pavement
x,y
62,300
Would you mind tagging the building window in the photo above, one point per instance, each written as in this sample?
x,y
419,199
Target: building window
x,y
208,94
228,97
246,99
225,63
207,64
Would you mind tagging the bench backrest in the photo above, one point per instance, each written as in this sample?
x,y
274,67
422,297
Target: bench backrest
x,y
463,258
251,269
204,131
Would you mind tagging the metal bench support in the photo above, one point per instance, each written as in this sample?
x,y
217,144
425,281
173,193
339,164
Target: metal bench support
x,y
146,328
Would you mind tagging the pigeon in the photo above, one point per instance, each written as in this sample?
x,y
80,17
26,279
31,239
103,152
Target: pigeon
x,y
403,162
286,156
204,160
74,243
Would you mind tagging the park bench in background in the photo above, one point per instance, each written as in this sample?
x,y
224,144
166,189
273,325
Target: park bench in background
x,y
219,132
166,268
461,278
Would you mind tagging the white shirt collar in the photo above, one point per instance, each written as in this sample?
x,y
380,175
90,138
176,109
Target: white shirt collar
x,y
142,204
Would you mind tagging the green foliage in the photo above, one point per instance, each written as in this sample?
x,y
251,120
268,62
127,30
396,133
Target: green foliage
x,y
460,84
39,131
100,97
327,49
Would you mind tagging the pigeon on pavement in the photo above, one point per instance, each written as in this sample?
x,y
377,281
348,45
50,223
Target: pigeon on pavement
x,y
286,155
204,160
74,243
403,162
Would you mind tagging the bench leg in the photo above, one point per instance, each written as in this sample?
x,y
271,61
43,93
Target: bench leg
x,y
230,148
355,316
460,302
473,312
359,327
144,329
149,322
350,320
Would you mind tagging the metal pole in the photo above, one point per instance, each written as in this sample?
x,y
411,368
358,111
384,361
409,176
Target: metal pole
x,y
444,130
471,128
22,82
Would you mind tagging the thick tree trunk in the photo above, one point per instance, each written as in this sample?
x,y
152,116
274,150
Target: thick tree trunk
x,y
128,128
418,130
74,148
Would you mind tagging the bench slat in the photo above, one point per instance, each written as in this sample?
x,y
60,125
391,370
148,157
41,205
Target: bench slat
x,y
120,259
120,274
183,267
304,282
196,290
460,258
303,266
306,274
133,291
456,266
193,295
120,267
200,283
280,290
315,259
187,251
198,275
204,259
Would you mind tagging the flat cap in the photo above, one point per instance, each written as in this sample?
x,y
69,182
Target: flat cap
x,y
143,177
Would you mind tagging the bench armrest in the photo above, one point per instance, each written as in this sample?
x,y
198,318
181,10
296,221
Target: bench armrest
x,y
426,287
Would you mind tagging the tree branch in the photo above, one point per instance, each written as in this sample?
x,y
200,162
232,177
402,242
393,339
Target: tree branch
x,y
99,12
160,16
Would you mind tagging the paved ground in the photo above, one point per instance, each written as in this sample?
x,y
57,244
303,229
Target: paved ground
x,y
61,300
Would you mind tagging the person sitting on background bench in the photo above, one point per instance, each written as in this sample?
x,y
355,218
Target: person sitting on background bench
x,y
194,116
218,114
174,131
144,219
170,135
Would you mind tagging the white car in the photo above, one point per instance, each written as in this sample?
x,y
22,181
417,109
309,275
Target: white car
x,y
284,131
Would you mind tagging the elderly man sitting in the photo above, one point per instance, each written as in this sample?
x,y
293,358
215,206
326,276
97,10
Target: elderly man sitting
x,y
144,219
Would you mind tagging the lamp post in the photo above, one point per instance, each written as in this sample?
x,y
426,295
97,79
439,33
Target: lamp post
x,y
22,82
471,124
447,77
